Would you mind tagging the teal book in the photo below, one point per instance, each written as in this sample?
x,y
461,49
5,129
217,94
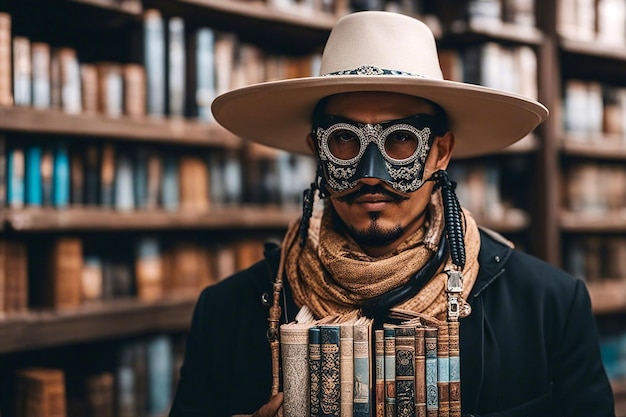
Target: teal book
x,y
363,373
34,194
170,183
15,178
405,371
61,176
432,393
160,366
314,371
330,386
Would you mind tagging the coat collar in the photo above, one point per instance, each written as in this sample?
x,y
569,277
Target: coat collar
x,y
492,258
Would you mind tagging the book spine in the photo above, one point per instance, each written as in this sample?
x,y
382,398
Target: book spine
x,y
40,56
314,371
77,178
420,373
294,341
3,171
390,372
61,177
22,71
177,67
47,170
432,400
455,369
362,370
124,198
154,61
205,73
330,386
379,337
443,370
159,365
134,90
149,269
107,175
33,176
90,86
70,94
170,193
91,278
347,367
15,178
405,371
6,94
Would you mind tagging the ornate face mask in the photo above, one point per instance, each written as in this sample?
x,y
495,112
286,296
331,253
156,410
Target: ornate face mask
x,y
393,151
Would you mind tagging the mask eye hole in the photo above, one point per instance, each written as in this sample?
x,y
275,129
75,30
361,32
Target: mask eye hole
x,y
401,144
344,144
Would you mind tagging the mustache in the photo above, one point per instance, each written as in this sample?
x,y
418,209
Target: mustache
x,y
371,189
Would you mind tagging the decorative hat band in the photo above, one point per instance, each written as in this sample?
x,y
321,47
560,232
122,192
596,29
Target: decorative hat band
x,y
372,70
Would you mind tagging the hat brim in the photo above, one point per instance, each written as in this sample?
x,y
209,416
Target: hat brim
x,y
278,113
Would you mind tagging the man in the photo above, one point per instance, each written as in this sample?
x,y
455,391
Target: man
x,y
383,125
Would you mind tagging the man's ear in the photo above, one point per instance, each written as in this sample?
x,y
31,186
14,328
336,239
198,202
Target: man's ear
x,y
445,146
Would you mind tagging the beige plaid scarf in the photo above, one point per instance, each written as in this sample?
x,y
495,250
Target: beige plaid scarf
x,y
332,275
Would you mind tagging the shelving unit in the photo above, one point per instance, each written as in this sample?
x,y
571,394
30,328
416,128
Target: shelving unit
x,y
545,224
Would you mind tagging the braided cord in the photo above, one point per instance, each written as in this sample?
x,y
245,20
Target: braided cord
x,y
452,216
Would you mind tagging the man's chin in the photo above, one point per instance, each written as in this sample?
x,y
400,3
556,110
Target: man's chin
x,y
375,236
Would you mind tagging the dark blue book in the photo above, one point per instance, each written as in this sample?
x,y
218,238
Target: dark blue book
x,y
34,190
61,176
330,385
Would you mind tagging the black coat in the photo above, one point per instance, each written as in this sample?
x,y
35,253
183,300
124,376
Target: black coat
x,y
529,347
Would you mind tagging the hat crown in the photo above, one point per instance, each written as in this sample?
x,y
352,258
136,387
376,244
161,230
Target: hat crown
x,y
389,41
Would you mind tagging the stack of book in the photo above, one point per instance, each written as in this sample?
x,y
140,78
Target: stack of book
x,y
340,366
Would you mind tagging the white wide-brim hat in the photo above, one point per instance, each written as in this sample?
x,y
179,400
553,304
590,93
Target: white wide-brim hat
x,y
378,51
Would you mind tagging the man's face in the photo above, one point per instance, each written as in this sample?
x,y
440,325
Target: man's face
x,y
378,216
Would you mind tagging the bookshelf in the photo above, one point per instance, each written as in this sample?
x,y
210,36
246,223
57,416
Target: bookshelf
x,y
112,30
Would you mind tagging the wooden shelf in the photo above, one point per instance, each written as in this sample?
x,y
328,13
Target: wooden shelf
x,y
589,223
102,320
596,147
509,224
597,49
130,8
608,296
504,32
54,122
86,219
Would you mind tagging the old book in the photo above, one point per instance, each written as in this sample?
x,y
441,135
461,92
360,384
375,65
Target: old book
x,y
77,177
405,371
390,371
205,87
61,176
16,294
348,368
330,387
41,392
294,339
40,57
134,76
90,88
47,170
15,177
194,183
110,89
6,91
177,69
100,395
155,61
22,71
92,278
91,165
248,252
170,185
432,393
69,77
363,372
149,274
454,369
124,198
33,187
153,185
420,372
107,175
314,364
443,370
125,381
379,351
63,287
159,357
186,268
3,170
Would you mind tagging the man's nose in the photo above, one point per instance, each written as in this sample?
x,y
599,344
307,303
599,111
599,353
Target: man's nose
x,y
372,165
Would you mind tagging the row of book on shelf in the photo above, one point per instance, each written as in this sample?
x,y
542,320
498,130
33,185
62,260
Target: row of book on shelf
x,y
595,188
177,76
603,21
126,177
593,112
141,383
70,272
351,366
596,258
